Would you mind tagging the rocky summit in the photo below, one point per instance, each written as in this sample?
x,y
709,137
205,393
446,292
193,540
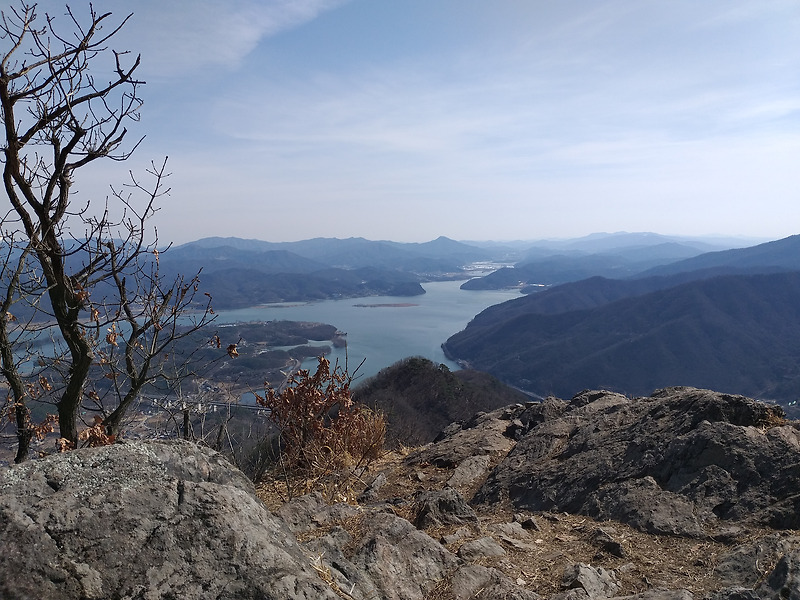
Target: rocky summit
x,y
683,494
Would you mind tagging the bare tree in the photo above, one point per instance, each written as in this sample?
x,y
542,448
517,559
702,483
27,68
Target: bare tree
x,y
86,314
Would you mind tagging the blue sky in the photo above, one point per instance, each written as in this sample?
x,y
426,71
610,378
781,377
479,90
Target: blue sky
x,y
501,119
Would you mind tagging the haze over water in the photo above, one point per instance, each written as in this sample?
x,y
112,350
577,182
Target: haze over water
x,y
385,334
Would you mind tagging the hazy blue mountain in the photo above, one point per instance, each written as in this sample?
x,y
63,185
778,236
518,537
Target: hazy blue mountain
x,y
444,247
189,259
623,243
239,273
353,253
232,242
553,270
783,254
737,333
442,255
619,261
665,252
558,269
609,242
240,288
245,262
446,255
577,295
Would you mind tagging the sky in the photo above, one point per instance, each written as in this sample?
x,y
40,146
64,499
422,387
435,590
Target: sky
x,y
405,120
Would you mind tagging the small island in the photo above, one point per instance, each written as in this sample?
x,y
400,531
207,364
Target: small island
x,y
386,305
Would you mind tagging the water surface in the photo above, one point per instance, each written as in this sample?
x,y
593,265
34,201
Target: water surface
x,y
385,329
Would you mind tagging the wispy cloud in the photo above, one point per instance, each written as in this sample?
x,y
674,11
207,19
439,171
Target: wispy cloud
x,y
182,38
606,114
498,111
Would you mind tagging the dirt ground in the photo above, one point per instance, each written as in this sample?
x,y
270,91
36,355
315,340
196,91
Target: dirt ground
x,y
640,561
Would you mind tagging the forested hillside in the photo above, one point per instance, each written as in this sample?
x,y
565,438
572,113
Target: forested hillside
x,y
732,333
420,398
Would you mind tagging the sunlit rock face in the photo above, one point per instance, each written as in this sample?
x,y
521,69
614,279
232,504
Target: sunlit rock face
x,y
144,520
683,461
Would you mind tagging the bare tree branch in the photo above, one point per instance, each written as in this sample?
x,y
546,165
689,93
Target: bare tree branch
x,y
108,315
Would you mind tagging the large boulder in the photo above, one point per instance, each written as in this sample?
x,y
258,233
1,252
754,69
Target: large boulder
x,y
144,520
683,461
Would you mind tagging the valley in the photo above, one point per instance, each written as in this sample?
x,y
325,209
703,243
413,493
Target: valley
x,y
723,319
624,312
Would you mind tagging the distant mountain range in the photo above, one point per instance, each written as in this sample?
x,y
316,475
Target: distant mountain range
x,y
616,256
242,288
626,312
783,255
238,272
629,312
439,255
726,320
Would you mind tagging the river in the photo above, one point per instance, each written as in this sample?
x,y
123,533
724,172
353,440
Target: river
x,y
384,329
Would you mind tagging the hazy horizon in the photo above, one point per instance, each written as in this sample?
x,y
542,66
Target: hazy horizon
x,y
505,120
709,238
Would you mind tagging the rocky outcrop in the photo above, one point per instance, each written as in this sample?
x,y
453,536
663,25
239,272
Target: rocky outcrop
x,y
369,553
500,506
152,520
682,462
145,521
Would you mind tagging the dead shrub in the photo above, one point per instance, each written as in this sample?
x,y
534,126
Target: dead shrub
x,y
327,441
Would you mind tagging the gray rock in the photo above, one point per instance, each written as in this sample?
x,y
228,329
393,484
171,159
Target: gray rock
x,y
469,471
784,580
309,512
595,581
150,520
329,558
144,520
458,534
660,594
682,461
484,435
527,521
370,494
733,593
386,558
573,594
606,542
476,582
548,409
444,507
643,504
745,565
480,548
512,534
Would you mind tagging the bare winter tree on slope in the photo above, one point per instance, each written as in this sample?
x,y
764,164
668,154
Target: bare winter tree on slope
x,y
87,318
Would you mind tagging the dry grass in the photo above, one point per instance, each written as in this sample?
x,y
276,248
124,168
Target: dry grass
x,y
562,539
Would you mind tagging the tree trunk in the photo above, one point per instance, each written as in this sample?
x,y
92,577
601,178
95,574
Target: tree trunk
x,y
22,414
187,425
24,434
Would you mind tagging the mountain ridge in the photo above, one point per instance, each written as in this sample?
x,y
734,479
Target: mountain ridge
x,y
636,261
730,332
781,254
